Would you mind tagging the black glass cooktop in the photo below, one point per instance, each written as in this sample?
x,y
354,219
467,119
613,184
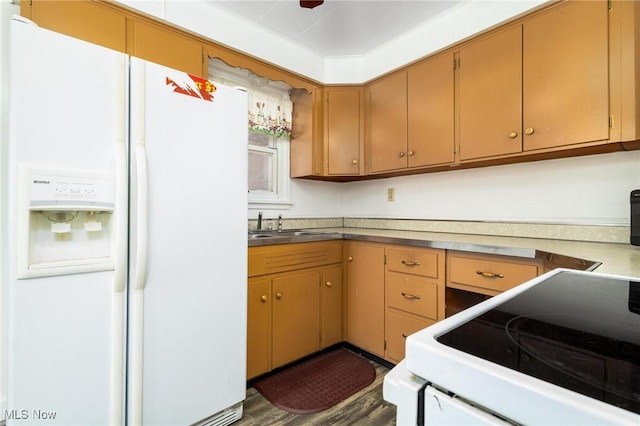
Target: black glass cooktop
x,y
577,331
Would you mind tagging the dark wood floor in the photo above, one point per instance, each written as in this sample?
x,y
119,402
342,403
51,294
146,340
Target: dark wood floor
x,y
364,408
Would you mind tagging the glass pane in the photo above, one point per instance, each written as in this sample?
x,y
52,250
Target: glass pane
x,y
261,167
261,139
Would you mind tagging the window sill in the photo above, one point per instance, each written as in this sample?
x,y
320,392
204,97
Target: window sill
x,y
270,204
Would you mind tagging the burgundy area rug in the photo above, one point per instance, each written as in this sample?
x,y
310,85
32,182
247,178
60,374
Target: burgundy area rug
x,y
319,383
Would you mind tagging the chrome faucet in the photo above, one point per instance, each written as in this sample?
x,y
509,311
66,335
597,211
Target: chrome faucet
x,y
279,223
259,226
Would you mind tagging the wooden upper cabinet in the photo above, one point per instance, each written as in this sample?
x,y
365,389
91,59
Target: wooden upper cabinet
x,y
540,84
430,124
84,20
490,95
566,76
388,123
169,48
344,131
306,149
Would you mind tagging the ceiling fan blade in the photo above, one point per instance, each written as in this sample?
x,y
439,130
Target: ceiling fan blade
x,y
310,4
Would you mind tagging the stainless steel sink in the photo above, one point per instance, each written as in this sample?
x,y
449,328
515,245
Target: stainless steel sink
x,y
275,234
269,235
262,237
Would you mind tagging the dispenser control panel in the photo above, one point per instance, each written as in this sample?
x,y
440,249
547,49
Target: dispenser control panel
x,y
56,192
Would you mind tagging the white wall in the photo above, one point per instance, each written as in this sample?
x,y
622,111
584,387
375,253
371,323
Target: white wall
x,y
591,190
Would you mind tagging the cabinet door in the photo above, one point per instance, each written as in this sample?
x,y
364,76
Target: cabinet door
x,y
296,316
258,327
167,48
343,136
388,123
566,76
413,294
331,326
490,95
306,151
365,297
399,327
430,112
487,274
84,20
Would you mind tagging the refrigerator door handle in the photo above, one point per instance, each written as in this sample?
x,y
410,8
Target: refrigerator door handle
x,y
141,218
121,218
136,319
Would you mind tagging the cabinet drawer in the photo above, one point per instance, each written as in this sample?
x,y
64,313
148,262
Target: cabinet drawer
x,y
489,273
399,326
288,257
412,294
417,262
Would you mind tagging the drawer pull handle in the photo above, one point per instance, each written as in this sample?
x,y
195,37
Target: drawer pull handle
x,y
410,296
489,274
410,263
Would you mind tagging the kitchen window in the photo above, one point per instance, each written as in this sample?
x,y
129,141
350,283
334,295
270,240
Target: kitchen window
x,y
269,121
268,170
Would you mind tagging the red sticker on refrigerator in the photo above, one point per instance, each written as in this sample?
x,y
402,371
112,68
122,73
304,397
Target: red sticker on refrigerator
x,y
197,87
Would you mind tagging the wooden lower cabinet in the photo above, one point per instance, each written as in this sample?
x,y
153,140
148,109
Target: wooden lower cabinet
x,y
489,274
331,306
258,326
295,316
297,298
414,294
392,291
399,325
296,310
365,296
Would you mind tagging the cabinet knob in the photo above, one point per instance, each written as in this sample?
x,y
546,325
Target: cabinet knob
x,y
410,153
513,135
278,295
349,259
328,284
402,154
354,162
529,130
264,298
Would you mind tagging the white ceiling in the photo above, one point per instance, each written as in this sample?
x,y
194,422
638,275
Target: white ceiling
x,y
338,27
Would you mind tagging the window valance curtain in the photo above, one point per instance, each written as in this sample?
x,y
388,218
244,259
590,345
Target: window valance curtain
x,y
269,113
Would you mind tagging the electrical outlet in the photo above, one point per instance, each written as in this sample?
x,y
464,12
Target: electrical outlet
x,y
391,194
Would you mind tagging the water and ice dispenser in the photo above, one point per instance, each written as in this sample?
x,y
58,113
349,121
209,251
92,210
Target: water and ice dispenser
x,y
65,222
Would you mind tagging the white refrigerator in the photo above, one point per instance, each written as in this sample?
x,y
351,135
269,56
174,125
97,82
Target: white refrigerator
x,y
124,251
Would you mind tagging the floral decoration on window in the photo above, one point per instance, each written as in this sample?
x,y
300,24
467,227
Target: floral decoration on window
x,y
270,114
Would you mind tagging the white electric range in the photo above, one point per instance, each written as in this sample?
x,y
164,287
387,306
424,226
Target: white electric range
x,y
563,348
